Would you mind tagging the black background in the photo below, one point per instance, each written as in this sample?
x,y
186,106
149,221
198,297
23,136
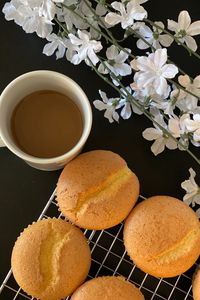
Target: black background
x,y
24,190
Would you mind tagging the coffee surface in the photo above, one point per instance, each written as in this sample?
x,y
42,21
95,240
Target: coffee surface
x,y
46,124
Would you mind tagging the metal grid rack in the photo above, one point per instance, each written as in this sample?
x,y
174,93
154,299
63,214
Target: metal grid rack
x,y
110,258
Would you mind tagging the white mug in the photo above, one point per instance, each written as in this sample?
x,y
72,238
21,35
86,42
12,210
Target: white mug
x,y
35,81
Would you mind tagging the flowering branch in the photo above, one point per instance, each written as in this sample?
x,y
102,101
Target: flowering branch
x,y
124,92
85,34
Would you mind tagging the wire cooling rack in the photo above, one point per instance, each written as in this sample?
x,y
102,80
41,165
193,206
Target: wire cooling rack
x,y
110,258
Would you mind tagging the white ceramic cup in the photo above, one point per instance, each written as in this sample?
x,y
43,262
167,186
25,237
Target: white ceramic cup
x,y
35,81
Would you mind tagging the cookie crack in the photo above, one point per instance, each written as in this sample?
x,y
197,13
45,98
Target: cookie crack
x,y
49,257
178,250
110,184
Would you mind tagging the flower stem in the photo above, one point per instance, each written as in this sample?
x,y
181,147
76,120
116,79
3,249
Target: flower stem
x,y
61,26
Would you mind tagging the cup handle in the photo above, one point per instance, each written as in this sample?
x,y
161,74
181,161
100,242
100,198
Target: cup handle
x,y
2,143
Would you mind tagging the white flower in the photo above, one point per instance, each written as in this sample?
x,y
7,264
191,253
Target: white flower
x,y
10,11
194,127
86,48
148,97
31,19
115,63
187,102
56,43
154,38
109,105
127,13
177,126
34,22
153,71
161,141
192,195
185,30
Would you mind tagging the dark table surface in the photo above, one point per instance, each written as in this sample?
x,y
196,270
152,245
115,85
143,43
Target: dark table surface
x,y
24,190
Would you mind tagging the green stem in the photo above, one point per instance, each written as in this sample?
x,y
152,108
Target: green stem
x,y
61,26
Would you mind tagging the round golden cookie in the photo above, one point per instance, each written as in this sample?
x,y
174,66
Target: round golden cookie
x,y
162,236
196,284
97,190
50,259
109,288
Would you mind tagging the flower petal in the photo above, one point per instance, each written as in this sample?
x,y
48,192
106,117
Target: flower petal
x,y
122,69
169,71
112,52
122,56
126,111
191,43
172,25
184,20
118,6
158,146
103,96
100,9
184,80
160,57
50,48
151,134
142,45
160,85
60,52
134,65
144,63
194,28
145,31
166,40
99,105
112,19
74,40
115,116
92,56
171,144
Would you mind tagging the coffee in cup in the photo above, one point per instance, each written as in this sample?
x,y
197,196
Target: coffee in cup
x,y
45,118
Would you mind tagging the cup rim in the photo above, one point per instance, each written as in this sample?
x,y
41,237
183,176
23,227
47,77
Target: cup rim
x,y
86,129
